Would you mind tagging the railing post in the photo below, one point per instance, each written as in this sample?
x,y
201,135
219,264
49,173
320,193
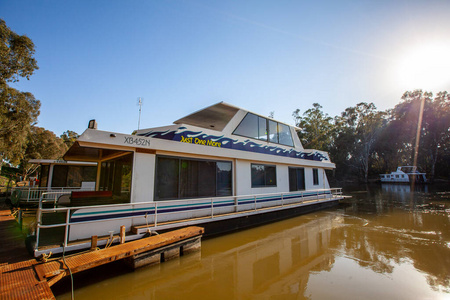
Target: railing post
x,y
38,221
66,231
282,200
212,208
156,214
255,201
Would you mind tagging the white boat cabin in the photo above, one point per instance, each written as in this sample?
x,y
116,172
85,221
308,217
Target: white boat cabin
x,y
404,174
221,150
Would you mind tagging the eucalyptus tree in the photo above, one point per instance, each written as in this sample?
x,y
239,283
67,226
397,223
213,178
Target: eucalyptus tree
x,y
316,128
360,128
18,110
424,127
41,144
69,137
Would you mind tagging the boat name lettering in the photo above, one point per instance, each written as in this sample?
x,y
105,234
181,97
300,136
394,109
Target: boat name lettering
x,y
136,141
198,141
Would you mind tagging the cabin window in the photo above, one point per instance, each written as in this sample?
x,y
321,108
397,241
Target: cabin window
x,y
115,176
296,179
44,175
263,176
72,176
315,176
182,178
264,129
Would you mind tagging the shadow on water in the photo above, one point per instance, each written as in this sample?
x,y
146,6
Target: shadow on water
x,y
387,242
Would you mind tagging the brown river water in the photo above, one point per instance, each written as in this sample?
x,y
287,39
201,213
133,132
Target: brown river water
x,y
387,242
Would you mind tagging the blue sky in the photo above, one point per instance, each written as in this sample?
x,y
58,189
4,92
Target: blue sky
x,y
97,57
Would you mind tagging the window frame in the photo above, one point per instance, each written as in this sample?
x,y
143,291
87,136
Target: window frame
x,y
179,193
267,136
315,172
265,174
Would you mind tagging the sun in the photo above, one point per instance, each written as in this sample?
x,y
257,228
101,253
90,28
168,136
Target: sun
x,y
425,67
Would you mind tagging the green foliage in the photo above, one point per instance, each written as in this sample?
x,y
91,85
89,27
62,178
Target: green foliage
x,y
41,144
18,110
364,142
16,55
315,128
69,137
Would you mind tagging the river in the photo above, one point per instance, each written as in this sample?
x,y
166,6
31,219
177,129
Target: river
x,y
386,242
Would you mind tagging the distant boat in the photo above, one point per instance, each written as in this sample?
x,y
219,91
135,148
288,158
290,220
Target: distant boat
x,y
404,174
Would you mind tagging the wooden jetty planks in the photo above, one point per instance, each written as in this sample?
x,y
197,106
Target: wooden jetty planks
x,y
32,280
93,259
19,281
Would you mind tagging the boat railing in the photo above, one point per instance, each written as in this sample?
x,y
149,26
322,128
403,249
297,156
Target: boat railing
x,y
211,208
33,194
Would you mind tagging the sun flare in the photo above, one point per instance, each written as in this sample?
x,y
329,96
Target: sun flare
x,y
425,67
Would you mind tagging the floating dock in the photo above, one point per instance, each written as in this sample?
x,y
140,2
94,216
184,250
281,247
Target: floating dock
x,y
32,279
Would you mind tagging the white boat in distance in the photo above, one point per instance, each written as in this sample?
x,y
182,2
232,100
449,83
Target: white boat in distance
x,y
404,174
222,168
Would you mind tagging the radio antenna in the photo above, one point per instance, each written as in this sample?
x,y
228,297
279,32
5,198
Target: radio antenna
x,y
140,103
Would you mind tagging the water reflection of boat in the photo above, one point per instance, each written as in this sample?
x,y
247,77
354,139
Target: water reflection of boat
x,y
404,174
247,266
222,168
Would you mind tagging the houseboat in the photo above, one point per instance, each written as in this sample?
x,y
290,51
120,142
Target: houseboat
x,y
222,168
54,176
404,174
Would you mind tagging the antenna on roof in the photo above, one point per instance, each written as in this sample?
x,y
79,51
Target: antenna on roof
x,y
140,103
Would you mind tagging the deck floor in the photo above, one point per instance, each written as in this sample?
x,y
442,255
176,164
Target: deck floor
x,y
11,238
31,279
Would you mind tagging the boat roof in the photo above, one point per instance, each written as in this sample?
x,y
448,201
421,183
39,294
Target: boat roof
x,y
216,116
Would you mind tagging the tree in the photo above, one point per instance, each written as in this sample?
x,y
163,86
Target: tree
x,y
365,124
69,137
16,55
434,129
41,143
18,110
316,128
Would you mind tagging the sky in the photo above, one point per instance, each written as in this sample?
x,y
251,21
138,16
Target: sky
x,y
96,58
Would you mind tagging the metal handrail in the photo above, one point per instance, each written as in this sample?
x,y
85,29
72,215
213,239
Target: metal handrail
x,y
51,197
33,194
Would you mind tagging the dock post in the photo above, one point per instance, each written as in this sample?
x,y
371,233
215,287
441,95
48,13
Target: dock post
x,y
94,239
122,234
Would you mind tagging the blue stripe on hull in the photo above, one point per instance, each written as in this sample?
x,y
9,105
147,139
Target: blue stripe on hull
x,y
185,207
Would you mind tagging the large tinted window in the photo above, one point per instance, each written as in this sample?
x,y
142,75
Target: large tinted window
x,y
260,128
296,179
273,131
263,175
115,176
248,127
284,135
167,178
180,178
72,176
316,176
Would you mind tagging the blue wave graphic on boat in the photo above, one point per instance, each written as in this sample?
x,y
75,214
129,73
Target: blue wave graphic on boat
x,y
182,134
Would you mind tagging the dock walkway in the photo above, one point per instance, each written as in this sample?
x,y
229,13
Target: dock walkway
x,y
32,279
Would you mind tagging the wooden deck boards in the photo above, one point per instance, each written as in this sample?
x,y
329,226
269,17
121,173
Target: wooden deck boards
x,y
32,280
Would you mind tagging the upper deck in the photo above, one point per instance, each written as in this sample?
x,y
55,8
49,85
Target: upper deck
x,y
220,130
